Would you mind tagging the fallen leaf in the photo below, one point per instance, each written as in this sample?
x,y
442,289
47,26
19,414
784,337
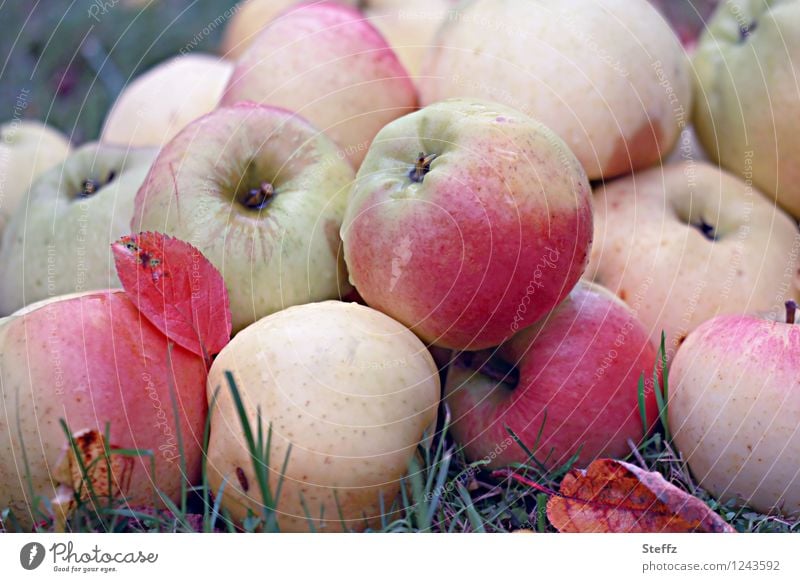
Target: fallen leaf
x,y
106,477
614,496
177,289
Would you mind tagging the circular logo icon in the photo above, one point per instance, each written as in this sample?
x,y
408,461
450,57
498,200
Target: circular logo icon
x,y
31,555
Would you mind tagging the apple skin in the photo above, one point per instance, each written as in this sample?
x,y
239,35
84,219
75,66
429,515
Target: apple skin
x,y
578,368
350,389
734,408
409,26
57,241
155,106
495,236
647,251
326,62
249,18
27,149
284,254
747,113
91,359
608,76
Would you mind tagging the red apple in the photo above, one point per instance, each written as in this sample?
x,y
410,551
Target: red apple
x,y
573,376
468,221
734,408
326,62
93,360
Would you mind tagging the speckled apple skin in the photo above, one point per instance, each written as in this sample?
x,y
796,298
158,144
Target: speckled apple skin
x,y
579,370
328,63
748,112
495,236
349,388
609,76
672,276
57,242
91,359
286,254
734,410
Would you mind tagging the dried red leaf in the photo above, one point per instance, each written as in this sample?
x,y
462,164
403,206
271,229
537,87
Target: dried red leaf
x,y
177,289
613,496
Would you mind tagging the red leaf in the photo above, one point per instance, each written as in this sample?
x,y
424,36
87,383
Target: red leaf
x,y
613,496
177,289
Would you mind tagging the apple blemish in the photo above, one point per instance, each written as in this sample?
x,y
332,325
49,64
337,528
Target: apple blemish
x,y
421,167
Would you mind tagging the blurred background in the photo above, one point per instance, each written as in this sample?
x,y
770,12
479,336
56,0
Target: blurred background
x,y
71,58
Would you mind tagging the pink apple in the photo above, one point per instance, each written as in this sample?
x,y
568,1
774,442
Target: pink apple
x,y
468,221
326,62
92,359
734,408
574,376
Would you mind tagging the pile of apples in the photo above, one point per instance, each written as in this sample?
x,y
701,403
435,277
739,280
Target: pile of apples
x,y
515,196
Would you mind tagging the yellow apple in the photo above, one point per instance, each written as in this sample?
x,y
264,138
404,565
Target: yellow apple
x,y
154,107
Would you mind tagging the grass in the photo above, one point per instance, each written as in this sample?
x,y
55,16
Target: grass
x,y
441,493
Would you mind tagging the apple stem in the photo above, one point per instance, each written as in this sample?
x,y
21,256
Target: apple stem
x,y
258,198
421,167
791,311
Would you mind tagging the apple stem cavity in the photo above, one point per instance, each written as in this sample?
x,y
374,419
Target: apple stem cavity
x,y
492,367
706,229
421,167
791,311
258,198
746,30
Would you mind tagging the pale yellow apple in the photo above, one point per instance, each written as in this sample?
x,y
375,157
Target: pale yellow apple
x,y
409,25
689,242
352,391
247,20
608,76
155,106
747,109
27,148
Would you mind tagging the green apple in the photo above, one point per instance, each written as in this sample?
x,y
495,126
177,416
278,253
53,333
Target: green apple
x,y
59,240
262,194
27,148
747,110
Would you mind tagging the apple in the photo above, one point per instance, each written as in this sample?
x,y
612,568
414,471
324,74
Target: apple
x,y
249,18
688,242
566,386
92,360
350,390
27,148
328,63
261,193
747,113
608,76
468,221
409,26
58,241
734,408
162,101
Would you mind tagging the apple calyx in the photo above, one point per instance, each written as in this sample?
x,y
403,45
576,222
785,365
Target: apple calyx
x,y
258,198
491,365
791,311
421,167
746,30
90,186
